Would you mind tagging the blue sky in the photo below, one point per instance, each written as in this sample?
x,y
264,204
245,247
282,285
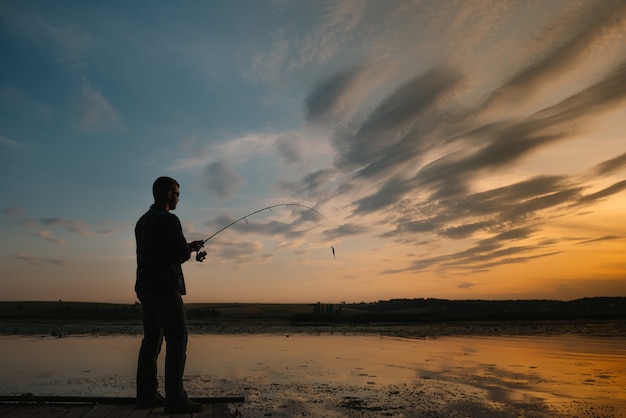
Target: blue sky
x,y
457,149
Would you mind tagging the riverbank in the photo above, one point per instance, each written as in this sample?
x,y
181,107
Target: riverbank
x,y
64,328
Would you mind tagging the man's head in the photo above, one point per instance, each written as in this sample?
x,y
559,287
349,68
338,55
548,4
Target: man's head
x,y
165,192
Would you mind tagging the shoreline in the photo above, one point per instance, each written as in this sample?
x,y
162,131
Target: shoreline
x,y
66,328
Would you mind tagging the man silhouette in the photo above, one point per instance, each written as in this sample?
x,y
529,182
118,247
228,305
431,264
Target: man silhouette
x,y
161,249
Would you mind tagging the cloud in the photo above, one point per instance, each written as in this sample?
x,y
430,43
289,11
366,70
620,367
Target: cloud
x,y
435,163
67,39
94,113
47,235
312,186
387,138
346,230
600,96
282,53
18,106
325,100
338,23
14,211
298,221
466,285
73,226
288,148
238,252
611,166
268,64
289,227
606,192
486,253
458,214
600,239
238,151
569,40
38,261
222,179
4,141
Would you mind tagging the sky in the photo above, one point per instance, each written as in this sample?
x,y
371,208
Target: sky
x,y
451,149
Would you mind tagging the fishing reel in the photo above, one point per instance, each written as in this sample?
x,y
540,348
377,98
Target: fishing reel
x,y
200,256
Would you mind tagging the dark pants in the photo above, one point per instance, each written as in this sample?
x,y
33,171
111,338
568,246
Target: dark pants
x,y
163,315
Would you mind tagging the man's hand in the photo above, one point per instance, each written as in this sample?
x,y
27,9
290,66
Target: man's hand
x,y
195,245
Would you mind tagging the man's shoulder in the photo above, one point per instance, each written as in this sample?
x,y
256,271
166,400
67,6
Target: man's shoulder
x,y
158,214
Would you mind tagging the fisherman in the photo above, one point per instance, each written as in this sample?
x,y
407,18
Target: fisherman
x,y
161,249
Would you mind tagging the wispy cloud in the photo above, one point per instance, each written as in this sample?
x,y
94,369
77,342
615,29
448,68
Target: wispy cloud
x,y
280,54
238,150
6,142
239,252
73,226
420,152
567,43
441,138
94,113
339,22
222,164
222,179
604,193
601,239
47,235
65,37
14,211
611,166
39,261
19,106
268,64
466,285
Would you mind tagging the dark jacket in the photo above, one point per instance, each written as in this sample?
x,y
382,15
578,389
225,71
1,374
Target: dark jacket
x,y
161,249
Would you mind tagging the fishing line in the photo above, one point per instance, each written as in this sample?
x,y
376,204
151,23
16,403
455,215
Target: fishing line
x,y
201,255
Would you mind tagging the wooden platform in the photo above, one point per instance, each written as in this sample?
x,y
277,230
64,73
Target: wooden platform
x,y
101,407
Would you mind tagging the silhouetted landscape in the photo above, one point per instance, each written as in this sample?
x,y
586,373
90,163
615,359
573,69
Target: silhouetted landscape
x,y
399,357
66,317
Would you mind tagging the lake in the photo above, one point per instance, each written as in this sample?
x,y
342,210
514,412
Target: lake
x,y
346,375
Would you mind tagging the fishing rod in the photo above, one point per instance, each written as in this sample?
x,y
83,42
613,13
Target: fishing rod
x,y
201,255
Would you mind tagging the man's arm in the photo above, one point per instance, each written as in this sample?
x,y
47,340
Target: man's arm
x,y
180,248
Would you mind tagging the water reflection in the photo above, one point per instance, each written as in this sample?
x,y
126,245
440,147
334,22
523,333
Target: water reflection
x,y
502,369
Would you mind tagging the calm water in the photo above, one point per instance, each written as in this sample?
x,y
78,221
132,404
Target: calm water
x,y
506,369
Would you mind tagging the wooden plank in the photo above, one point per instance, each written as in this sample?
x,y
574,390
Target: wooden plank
x,y
108,399
124,411
107,411
74,411
85,407
52,411
187,415
144,413
70,411
99,411
28,411
6,409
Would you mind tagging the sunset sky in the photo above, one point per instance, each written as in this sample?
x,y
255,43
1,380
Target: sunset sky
x,y
456,149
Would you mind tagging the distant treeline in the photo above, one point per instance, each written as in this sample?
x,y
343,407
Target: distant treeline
x,y
69,310
395,310
440,310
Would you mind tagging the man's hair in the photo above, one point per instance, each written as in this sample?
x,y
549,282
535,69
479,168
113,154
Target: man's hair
x,y
162,186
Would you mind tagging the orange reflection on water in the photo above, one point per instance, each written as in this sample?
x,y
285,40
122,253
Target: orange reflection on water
x,y
552,369
549,368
